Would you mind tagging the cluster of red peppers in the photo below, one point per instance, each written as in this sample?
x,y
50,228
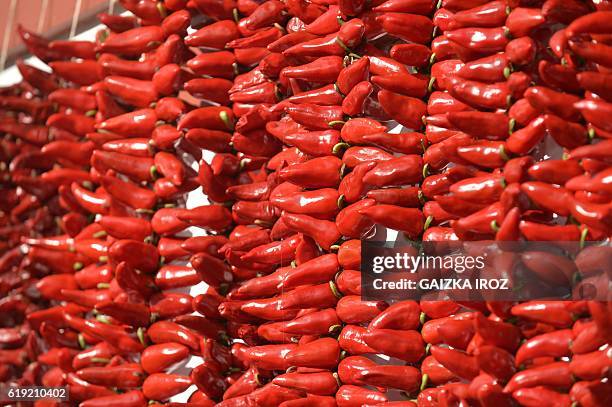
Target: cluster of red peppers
x,y
505,107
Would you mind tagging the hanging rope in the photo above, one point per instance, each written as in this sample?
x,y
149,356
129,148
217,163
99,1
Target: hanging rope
x,y
75,18
8,30
42,17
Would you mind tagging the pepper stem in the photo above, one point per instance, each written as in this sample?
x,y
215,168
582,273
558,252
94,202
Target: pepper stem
x,y
507,72
431,83
422,318
425,170
424,381
427,222
494,225
225,118
336,122
503,154
162,10
591,133
103,318
334,329
140,333
339,147
421,197
334,289
81,341
432,59
343,46
99,234
583,235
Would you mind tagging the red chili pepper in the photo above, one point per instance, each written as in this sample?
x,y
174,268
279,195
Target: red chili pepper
x,y
549,101
403,83
481,95
482,40
559,76
352,396
521,51
162,386
328,172
123,376
459,363
490,14
405,378
117,23
316,323
133,42
318,203
485,125
314,271
352,310
271,357
323,383
135,92
407,220
395,172
90,394
551,312
166,331
411,54
591,23
407,197
139,255
212,270
592,51
322,353
352,75
276,252
41,80
555,344
317,47
323,295
539,232
271,309
355,100
316,117
408,27
325,69
114,335
595,82
405,110
590,366
539,394
404,345
326,23
355,156
443,102
556,374
523,21
245,384
598,216
137,123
